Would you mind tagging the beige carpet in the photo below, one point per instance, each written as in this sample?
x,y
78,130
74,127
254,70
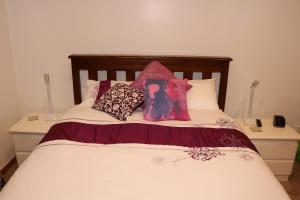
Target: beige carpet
x,y
293,185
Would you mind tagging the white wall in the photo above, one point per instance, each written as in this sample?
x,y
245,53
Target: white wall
x,y
9,111
261,36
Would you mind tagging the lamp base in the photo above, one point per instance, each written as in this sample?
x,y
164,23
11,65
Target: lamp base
x,y
249,122
51,117
255,129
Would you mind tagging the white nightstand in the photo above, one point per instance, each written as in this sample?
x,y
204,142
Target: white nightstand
x,y
27,134
277,146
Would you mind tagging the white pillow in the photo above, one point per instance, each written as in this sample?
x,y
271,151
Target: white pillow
x,y
92,88
202,95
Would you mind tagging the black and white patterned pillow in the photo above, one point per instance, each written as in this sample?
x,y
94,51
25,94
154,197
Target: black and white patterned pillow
x,y
119,101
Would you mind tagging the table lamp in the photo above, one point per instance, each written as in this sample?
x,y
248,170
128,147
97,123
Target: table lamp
x,y
249,121
50,115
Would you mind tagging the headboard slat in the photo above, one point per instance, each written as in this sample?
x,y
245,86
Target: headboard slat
x,y
206,75
93,74
130,75
131,64
111,74
188,75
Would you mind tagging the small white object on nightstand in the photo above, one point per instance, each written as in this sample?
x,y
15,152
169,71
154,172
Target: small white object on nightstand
x,y
27,134
277,146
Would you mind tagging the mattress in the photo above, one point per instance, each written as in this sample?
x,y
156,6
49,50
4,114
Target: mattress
x,y
90,155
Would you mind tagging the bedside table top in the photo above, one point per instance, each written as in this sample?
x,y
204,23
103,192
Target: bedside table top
x,y
40,126
270,132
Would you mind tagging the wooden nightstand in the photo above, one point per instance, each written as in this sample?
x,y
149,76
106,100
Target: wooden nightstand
x,y
27,134
277,146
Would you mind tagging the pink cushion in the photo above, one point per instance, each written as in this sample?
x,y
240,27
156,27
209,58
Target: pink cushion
x,y
165,100
155,71
104,86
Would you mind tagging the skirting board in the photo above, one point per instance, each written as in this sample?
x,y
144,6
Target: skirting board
x,y
8,165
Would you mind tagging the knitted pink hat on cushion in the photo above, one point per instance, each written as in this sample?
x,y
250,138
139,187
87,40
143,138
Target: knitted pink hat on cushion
x,y
153,71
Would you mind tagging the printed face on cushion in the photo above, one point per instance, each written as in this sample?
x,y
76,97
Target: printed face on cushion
x,y
165,100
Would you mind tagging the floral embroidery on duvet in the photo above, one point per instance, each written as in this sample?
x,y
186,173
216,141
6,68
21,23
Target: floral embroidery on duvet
x,y
227,123
232,141
204,153
208,153
246,156
238,145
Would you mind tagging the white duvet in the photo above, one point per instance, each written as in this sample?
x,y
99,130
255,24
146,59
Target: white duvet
x,y
62,169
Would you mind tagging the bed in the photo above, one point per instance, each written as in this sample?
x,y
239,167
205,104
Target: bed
x,y
91,155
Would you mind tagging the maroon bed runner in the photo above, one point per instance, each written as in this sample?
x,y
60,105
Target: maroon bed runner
x,y
148,134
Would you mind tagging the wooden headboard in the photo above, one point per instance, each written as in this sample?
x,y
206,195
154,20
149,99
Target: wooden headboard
x,y
131,64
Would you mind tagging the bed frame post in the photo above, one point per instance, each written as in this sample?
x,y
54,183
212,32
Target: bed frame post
x,y
223,85
76,81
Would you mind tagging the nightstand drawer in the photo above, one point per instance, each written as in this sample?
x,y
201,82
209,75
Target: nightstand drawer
x,y
26,142
280,167
21,156
276,150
